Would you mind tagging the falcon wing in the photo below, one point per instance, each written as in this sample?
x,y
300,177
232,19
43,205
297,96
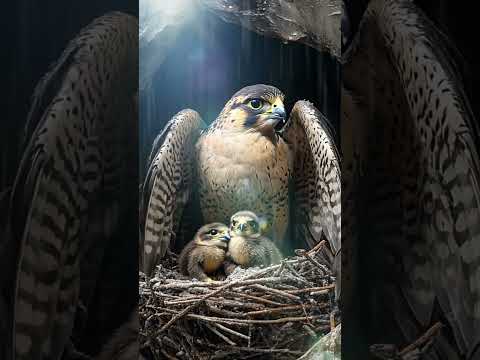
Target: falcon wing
x,y
316,174
411,148
168,185
72,167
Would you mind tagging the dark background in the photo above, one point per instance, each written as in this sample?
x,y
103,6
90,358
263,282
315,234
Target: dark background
x,y
34,34
212,59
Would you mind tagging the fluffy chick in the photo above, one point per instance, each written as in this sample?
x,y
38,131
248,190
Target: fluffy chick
x,y
247,246
206,252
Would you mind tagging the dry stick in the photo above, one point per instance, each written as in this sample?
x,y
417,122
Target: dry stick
x,y
220,335
250,349
318,288
321,292
224,312
430,333
252,321
240,282
313,261
233,332
256,298
224,302
317,247
280,269
187,285
279,309
277,292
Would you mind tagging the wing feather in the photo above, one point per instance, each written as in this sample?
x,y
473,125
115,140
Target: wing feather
x,y
418,155
75,106
168,185
316,175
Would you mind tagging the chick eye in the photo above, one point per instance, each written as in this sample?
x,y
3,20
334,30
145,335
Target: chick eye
x,y
255,104
234,223
254,225
213,232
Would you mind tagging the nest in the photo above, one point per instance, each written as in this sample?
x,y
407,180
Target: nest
x,y
276,312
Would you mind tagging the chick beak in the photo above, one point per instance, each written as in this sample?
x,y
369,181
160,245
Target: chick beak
x,y
226,238
242,227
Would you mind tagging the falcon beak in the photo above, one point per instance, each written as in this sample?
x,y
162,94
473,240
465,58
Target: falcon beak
x,y
279,111
276,114
241,226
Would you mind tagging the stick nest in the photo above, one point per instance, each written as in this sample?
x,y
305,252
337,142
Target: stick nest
x,y
276,312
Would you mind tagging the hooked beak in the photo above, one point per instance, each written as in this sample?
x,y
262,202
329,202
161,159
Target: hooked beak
x,y
276,114
279,111
241,226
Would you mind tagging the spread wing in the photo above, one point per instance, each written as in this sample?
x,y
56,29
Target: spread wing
x,y
168,185
316,174
411,150
73,167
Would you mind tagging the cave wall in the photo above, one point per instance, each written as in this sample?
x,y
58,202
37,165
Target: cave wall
x,y
212,59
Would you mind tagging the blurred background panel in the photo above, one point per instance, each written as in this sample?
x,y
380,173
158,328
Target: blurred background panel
x,y
34,34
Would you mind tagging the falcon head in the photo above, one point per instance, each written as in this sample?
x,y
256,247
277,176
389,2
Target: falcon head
x,y
254,108
247,224
215,234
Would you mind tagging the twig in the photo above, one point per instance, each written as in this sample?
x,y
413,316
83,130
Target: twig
x,y
220,335
430,333
312,289
264,351
278,292
313,261
258,299
233,332
278,310
219,290
317,247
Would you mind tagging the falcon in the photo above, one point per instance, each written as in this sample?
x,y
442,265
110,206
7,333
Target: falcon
x,y
247,246
242,161
205,254
411,175
70,196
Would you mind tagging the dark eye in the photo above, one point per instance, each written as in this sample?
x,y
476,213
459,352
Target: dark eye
x,y
213,232
234,223
255,104
254,225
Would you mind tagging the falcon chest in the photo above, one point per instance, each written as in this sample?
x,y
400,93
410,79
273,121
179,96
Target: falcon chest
x,y
241,171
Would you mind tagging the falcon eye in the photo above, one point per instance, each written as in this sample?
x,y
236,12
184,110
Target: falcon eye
x,y
255,104
254,225
234,223
213,232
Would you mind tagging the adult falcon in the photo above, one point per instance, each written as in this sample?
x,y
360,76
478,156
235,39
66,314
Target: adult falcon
x,y
242,162
412,180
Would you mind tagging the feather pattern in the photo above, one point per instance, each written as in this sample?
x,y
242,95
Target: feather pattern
x,y
316,175
167,186
416,157
81,109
